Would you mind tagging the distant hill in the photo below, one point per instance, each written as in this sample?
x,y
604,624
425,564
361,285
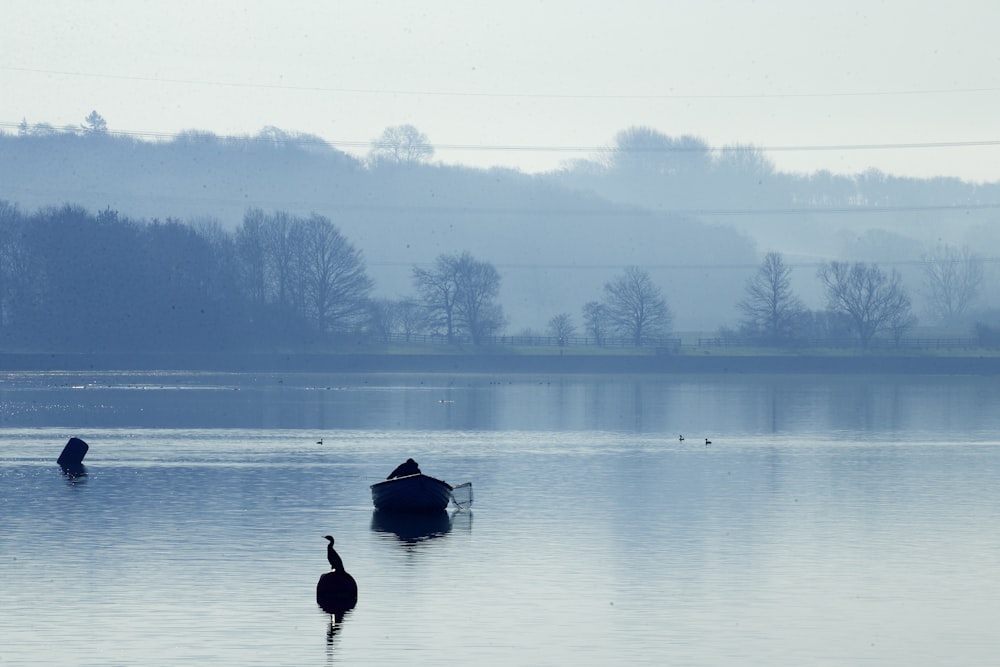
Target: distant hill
x,y
556,238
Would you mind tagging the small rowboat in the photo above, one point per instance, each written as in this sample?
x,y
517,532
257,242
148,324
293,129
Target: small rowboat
x,y
414,494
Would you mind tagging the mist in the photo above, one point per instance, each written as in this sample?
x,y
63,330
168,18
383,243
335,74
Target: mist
x,y
697,219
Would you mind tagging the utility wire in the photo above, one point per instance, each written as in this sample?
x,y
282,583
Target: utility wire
x,y
557,96
678,267
346,143
625,212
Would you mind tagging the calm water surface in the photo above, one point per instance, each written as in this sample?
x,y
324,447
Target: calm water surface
x,y
833,520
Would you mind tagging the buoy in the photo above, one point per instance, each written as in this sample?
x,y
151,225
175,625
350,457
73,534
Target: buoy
x,y
73,453
336,592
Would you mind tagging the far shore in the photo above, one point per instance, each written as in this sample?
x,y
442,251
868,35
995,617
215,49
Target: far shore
x,y
485,362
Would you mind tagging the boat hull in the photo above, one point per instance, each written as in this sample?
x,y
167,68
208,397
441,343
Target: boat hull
x,y
413,494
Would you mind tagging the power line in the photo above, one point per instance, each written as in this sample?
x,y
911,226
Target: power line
x,y
348,143
556,96
676,267
626,211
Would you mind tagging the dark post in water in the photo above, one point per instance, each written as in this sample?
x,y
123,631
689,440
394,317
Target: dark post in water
x,y
73,453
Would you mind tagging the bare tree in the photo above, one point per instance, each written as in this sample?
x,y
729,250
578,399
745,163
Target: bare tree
x,y
595,321
645,151
390,317
333,277
383,318
281,235
872,300
952,279
460,293
438,288
411,317
477,307
743,159
636,307
16,284
561,327
401,144
770,310
251,247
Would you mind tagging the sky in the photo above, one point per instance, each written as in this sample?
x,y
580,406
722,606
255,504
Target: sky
x,y
909,87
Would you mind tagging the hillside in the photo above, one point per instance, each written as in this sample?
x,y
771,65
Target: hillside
x,y
697,224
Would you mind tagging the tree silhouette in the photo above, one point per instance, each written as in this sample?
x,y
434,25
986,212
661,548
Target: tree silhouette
x,y
332,275
770,310
873,300
460,294
636,307
401,144
596,321
952,279
561,327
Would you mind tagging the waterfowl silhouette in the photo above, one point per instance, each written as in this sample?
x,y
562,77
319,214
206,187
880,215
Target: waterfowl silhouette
x,y
336,590
681,438
336,563
707,442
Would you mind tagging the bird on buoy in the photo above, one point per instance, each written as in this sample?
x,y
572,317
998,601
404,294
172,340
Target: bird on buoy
x,y
707,442
336,590
331,555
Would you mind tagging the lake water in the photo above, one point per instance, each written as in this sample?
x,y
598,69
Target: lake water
x,y
832,521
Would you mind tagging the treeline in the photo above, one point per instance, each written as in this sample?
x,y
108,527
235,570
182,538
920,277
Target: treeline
x,y
553,243
695,217
75,281
72,280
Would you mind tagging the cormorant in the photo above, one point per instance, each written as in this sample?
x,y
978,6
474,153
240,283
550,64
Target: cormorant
x,y
331,555
336,590
681,438
707,442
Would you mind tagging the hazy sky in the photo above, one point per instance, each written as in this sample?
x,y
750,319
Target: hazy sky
x,y
526,77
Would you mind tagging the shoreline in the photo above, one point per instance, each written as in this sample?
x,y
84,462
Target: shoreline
x,y
507,363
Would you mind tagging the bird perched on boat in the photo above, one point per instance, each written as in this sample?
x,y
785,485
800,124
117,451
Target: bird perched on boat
x,y
336,563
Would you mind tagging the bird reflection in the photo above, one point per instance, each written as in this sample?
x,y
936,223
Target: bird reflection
x,y
336,622
412,529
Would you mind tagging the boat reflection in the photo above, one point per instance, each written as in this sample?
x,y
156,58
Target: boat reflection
x,y
412,528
